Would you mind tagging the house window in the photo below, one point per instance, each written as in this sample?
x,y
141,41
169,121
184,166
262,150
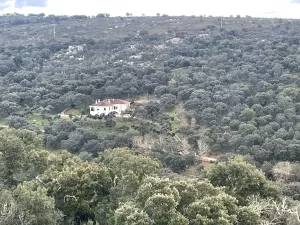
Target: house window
x,y
104,109
98,109
115,107
92,109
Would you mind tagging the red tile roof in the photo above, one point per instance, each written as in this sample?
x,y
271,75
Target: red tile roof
x,y
110,102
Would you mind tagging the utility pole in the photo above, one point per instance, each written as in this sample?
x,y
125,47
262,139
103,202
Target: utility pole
x,y
54,30
221,21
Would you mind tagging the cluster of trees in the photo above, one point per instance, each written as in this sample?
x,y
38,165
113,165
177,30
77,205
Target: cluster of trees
x,y
20,19
66,134
120,187
238,84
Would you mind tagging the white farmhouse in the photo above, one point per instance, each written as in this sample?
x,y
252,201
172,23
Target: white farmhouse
x,y
108,105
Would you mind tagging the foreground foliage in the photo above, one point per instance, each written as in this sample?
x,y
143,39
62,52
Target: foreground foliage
x,y
121,187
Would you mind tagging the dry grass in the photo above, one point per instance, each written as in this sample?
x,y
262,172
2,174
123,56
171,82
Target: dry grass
x,y
116,28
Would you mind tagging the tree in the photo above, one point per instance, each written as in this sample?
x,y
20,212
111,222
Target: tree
x,y
74,142
219,209
81,101
12,153
76,185
241,179
17,122
30,139
284,211
100,15
246,128
35,206
7,108
151,109
186,202
277,70
122,160
63,125
110,123
247,114
28,204
161,207
129,214
175,162
168,101
92,146
12,97
8,209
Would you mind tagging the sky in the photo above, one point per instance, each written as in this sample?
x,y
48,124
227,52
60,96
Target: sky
x,y
255,8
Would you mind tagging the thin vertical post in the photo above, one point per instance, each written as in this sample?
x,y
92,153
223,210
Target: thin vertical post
x,y
54,30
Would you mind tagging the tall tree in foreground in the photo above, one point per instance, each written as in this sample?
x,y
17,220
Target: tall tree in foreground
x,y
241,180
29,204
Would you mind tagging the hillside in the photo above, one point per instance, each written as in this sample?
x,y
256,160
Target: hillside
x,y
237,82
203,91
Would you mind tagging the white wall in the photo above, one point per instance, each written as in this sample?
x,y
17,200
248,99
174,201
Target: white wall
x,y
98,110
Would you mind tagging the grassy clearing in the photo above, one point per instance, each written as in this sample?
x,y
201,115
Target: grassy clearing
x,y
65,117
99,125
124,122
36,119
175,112
76,112
2,122
191,172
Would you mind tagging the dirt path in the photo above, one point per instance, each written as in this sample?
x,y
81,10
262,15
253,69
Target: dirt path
x,y
63,113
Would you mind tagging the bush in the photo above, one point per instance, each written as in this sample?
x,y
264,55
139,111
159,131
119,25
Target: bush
x,y
17,122
110,123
